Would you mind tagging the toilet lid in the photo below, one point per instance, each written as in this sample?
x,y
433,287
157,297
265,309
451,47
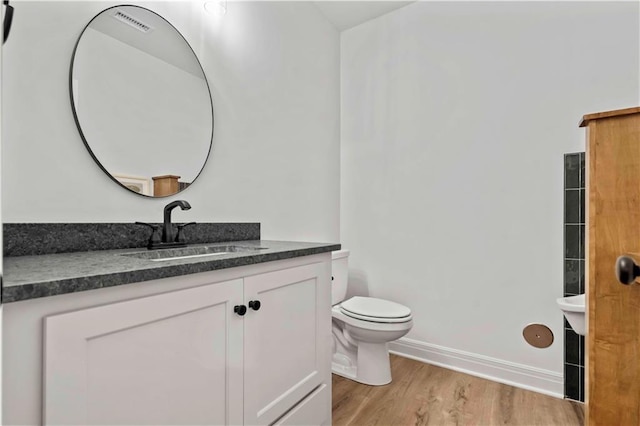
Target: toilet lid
x,y
378,310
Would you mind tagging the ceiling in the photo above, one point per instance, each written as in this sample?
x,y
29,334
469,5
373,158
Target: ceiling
x,y
162,41
347,14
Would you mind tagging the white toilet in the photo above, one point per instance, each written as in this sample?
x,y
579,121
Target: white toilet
x,y
362,326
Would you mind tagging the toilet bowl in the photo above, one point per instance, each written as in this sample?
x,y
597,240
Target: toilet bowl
x,y
362,327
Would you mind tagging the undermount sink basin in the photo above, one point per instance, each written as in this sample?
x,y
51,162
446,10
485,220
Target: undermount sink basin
x,y
191,252
573,310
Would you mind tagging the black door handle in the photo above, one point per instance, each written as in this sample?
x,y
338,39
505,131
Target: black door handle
x,y
626,270
255,304
240,309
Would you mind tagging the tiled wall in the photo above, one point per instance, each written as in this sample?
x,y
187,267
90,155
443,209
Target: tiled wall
x,y
574,255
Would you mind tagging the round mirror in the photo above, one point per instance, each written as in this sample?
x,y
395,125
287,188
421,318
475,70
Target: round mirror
x,y
141,101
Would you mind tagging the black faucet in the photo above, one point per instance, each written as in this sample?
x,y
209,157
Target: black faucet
x,y
167,239
167,228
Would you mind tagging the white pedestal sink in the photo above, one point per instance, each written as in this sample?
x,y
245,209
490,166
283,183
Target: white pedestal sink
x,y
574,311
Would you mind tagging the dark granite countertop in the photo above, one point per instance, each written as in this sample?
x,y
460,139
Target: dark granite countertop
x,y
30,277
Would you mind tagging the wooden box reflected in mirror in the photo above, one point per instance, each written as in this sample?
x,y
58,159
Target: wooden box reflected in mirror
x,y
156,186
168,185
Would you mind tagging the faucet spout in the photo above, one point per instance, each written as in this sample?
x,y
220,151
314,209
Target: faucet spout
x,y
167,229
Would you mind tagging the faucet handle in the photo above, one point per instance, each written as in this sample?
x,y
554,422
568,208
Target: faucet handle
x,y
155,237
180,238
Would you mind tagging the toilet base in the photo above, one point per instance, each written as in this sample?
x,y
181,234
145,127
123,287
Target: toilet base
x,y
371,368
342,371
344,365
374,366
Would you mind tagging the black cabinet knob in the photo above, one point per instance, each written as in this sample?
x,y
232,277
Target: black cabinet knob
x,y
254,304
626,270
240,309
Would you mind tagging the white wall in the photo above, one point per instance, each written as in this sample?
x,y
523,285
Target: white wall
x,y
273,69
455,119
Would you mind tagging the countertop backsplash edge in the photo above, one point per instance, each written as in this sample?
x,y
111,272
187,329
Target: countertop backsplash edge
x,y
32,239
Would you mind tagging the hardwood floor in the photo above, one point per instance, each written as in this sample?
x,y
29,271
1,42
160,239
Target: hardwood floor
x,y
423,394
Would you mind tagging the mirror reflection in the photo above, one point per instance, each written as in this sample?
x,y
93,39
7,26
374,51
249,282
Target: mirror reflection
x,y
141,101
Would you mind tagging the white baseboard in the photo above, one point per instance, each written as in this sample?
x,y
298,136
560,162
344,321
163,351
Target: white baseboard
x,y
518,375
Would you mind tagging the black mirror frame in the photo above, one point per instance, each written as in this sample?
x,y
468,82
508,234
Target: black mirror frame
x,y
77,121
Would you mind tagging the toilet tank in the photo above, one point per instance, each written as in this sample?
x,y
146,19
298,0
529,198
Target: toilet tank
x,y
339,275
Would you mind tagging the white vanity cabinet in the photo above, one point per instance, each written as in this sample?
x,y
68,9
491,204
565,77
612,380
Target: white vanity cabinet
x,y
186,356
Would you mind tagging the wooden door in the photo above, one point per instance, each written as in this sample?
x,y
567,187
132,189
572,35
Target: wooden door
x,y
286,341
173,358
613,184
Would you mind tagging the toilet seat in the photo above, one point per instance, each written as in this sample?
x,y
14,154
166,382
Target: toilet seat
x,y
375,310
371,323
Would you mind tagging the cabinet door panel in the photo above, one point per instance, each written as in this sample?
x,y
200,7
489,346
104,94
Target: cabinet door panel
x,y
173,358
285,339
